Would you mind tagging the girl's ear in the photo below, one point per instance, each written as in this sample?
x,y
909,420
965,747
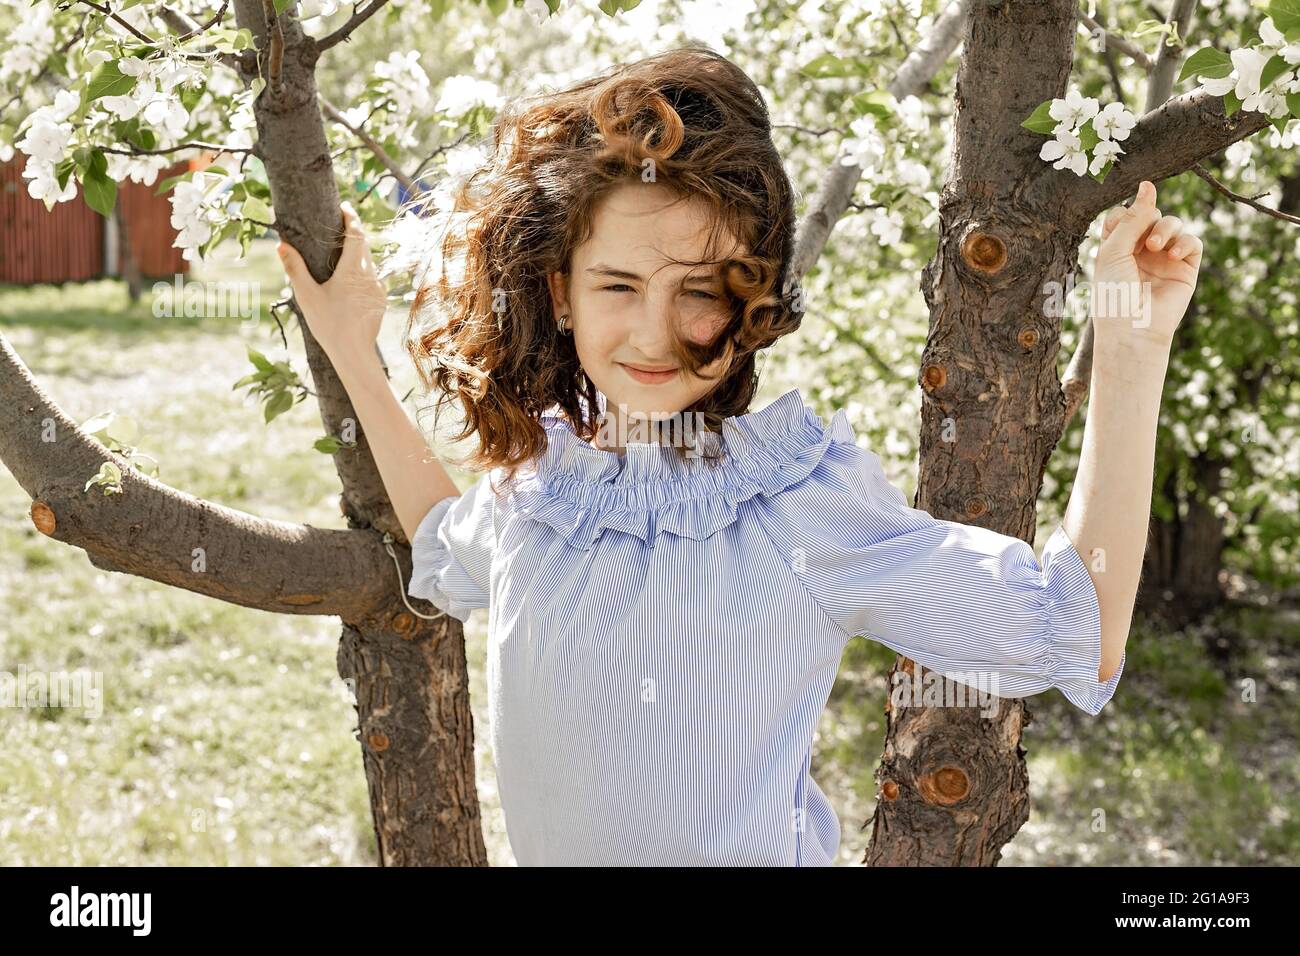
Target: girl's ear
x,y
559,286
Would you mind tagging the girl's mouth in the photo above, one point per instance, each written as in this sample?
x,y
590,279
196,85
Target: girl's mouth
x,y
649,377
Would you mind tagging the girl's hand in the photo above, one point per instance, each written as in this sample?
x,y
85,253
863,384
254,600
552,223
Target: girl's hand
x,y
1144,276
345,312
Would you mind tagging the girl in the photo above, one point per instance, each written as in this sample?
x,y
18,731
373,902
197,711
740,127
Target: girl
x,y
666,615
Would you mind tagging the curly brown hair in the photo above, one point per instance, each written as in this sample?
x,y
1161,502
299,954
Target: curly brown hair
x,y
487,337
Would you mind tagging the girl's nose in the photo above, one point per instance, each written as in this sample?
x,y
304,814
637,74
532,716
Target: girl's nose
x,y
650,335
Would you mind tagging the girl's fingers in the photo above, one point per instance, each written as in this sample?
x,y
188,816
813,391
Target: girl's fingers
x,y
1164,232
1112,218
1134,221
1187,247
354,236
294,267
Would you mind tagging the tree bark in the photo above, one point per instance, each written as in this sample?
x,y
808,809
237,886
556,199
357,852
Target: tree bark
x,y
953,788
412,688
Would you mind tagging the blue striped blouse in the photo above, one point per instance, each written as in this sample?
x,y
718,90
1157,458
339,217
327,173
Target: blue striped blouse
x,y
664,633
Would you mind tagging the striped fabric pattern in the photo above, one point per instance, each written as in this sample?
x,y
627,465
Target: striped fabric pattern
x,y
664,633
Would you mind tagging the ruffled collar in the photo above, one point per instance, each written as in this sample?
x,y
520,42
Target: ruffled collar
x,y
581,490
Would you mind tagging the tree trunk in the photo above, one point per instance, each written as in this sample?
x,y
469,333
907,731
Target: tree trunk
x,y
127,266
952,785
1180,574
415,725
992,412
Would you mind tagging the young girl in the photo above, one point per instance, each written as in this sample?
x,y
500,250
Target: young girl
x,y
667,614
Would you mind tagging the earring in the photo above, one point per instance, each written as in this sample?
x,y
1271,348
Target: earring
x,y
560,324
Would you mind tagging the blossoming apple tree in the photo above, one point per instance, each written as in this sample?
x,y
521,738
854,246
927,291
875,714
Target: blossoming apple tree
x,y
101,92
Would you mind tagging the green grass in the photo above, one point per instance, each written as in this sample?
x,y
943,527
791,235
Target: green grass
x,y
1177,770
227,736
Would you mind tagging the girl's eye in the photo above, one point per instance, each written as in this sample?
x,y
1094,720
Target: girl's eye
x,y
621,287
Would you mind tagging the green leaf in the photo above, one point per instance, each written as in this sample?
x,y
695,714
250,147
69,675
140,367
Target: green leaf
x,y
1088,137
327,445
1040,120
879,103
262,363
145,464
64,170
1286,16
279,403
825,66
190,96
1274,68
109,477
97,423
99,191
1206,61
254,208
1231,102
246,230
171,181
281,6
1293,104
255,187
108,80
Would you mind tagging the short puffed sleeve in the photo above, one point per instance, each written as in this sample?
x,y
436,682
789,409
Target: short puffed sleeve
x,y
967,602
451,552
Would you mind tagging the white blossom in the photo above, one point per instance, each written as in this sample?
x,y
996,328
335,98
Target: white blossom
x,y
309,9
1114,122
867,147
44,184
192,216
167,111
1104,152
460,93
1249,64
1273,37
1073,111
1067,152
888,225
45,140
1218,86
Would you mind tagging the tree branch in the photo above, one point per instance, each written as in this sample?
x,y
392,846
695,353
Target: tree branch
x,y
1118,41
357,18
1236,197
124,24
1078,374
333,113
215,147
1161,83
275,61
186,28
1164,143
836,191
152,530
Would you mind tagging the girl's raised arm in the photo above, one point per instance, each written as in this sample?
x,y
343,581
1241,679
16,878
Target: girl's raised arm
x,y
345,314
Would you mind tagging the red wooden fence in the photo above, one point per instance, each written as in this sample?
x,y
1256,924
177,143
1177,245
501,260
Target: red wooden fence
x,y
66,243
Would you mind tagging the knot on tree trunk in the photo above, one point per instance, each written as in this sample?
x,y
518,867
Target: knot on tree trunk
x,y
984,252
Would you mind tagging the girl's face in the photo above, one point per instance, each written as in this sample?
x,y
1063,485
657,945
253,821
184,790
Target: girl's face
x,y
622,296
